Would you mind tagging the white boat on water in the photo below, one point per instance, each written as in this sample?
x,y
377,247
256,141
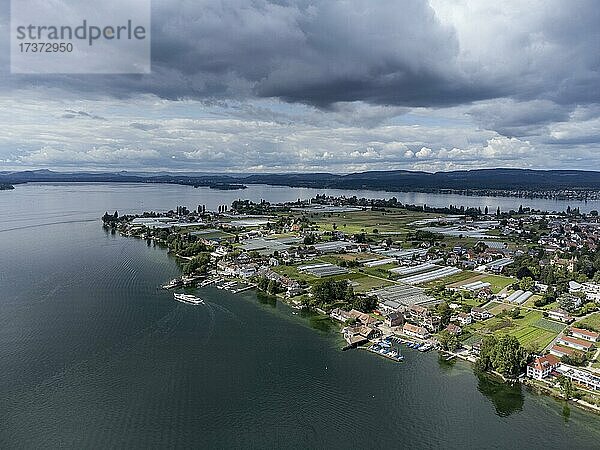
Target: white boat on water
x,y
188,299
172,284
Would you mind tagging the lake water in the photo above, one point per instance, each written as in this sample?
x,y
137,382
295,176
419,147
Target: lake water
x,y
94,355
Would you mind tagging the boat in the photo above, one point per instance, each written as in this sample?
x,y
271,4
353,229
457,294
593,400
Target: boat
x,y
188,299
176,282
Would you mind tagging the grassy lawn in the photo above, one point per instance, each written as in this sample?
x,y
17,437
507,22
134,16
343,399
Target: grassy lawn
x,y
531,329
379,271
500,307
473,339
456,278
592,321
497,282
394,221
491,305
293,273
366,283
217,234
472,301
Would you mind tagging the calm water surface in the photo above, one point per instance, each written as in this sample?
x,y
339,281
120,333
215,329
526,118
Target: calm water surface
x,y
93,355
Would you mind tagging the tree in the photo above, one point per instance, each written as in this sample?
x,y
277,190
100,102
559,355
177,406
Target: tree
x,y
526,283
566,387
515,312
504,355
509,356
309,239
198,264
329,292
448,341
445,312
365,303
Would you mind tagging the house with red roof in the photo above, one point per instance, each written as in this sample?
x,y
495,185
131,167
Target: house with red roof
x,y
542,366
586,335
573,342
560,351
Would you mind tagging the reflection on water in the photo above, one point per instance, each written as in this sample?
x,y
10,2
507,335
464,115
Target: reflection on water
x,y
446,364
507,398
321,323
566,412
266,299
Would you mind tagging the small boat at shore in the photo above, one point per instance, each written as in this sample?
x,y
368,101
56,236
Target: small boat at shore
x,y
176,282
188,299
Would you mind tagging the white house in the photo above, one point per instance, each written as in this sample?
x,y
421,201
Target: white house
x,y
541,366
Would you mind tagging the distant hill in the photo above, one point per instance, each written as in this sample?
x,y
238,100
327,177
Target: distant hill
x,y
403,180
396,180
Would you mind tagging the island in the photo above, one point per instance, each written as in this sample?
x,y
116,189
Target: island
x,y
516,293
226,186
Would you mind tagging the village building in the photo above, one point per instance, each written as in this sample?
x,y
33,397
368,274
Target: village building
x,y
586,335
577,344
581,377
560,315
462,318
453,329
480,313
359,334
340,314
363,318
394,319
542,366
414,330
560,351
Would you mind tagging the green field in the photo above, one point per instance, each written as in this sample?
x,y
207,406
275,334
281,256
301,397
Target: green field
x,y
367,283
293,273
592,321
549,325
499,308
391,221
364,282
531,329
380,271
497,282
533,338
456,278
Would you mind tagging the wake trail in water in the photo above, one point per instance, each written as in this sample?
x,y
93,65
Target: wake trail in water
x,y
39,225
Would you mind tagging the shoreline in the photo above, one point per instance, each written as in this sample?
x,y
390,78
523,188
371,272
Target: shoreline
x,y
222,280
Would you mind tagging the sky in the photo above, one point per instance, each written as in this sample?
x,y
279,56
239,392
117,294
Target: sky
x,y
324,85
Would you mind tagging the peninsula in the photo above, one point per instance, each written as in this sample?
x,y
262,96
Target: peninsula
x,y
515,292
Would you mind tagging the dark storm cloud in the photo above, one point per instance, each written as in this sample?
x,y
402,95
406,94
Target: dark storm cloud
x,y
384,52
354,84
317,53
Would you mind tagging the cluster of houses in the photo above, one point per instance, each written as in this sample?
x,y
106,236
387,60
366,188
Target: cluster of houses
x,y
549,366
574,340
415,321
591,291
571,235
361,327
